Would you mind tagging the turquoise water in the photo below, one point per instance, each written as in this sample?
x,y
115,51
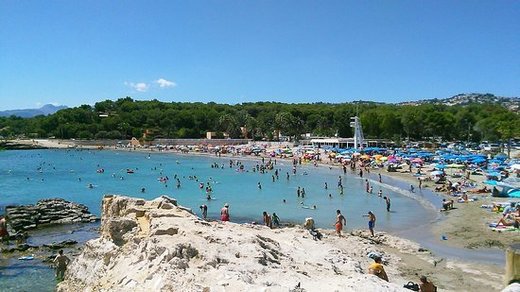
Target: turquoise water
x,y
26,176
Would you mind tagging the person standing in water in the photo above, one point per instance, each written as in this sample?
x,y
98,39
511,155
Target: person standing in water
x,y
204,210
276,220
4,234
224,213
267,220
61,261
371,222
340,222
387,200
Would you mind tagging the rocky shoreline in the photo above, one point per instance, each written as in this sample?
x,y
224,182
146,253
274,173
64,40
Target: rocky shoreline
x,y
19,145
47,212
38,231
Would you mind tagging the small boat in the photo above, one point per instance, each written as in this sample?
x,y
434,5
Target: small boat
x,y
130,170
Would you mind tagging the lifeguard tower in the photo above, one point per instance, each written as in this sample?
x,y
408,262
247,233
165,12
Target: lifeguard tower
x,y
359,140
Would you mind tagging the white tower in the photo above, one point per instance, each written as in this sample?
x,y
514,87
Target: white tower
x,y
359,140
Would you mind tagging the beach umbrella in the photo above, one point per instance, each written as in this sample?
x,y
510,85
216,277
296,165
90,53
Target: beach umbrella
x,y
365,156
436,172
383,158
417,160
515,166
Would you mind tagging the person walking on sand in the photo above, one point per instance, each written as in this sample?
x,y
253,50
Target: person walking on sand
x,y
377,268
371,221
224,213
340,222
61,261
387,200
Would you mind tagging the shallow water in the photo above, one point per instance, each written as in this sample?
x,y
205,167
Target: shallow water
x,y
66,174
35,275
27,176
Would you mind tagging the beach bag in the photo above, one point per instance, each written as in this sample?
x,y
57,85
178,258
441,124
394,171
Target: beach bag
x,y
411,286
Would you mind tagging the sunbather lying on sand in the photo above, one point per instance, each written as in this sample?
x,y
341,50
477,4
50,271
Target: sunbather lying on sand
x,y
480,191
511,219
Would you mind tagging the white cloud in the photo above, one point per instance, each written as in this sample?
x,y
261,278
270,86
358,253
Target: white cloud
x,y
140,86
163,83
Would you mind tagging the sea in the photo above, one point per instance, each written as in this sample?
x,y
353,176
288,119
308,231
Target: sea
x,y
85,176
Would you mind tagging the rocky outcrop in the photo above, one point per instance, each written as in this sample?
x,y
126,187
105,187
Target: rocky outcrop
x,y
158,246
45,212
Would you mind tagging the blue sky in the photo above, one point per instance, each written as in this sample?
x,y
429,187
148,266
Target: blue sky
x,y
80,52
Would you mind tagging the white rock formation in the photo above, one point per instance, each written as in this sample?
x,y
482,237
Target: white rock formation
x,y
158,246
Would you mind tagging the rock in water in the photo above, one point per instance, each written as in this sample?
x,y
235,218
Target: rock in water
x,y
47,212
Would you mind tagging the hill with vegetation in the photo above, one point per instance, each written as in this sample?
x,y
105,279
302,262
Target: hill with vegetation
x,y
511,103
126,118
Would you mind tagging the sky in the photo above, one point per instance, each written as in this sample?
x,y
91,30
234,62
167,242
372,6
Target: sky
x,y
234,51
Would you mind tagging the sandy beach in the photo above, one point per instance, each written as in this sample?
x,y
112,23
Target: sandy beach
x,y
464,227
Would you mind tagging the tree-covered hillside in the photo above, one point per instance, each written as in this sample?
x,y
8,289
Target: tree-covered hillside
x,y
126,118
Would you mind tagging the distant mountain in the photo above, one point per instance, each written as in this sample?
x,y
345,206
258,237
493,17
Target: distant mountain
x,y
511,103
29,113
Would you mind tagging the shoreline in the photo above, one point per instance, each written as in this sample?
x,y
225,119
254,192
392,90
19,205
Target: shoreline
x,y
448,251
436,227
252,257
